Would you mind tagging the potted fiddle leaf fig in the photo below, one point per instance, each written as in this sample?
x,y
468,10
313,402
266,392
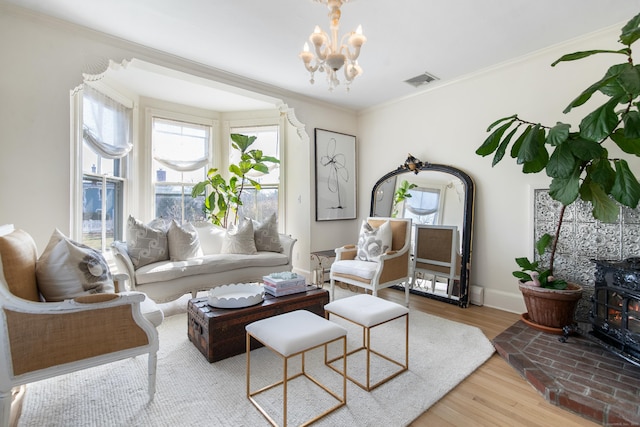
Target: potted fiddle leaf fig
x,y
223,197
578,161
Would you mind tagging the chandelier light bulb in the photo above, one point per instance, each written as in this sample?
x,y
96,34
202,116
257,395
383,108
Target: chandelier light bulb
x,y
357,39
305,55
332,53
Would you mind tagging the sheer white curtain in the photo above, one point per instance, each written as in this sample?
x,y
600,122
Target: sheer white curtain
x,y
423,201
106,125
183,147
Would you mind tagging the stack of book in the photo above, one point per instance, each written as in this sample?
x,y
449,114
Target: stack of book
x,y
279,284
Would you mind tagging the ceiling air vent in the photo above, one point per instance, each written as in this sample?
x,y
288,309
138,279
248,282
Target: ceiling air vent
x,y
421,80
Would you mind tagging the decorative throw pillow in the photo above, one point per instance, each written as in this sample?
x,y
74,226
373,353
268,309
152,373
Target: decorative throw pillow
x,y
374,242
19,256
161,224
239,240
183,242
68,269
210,236
145,244
266,235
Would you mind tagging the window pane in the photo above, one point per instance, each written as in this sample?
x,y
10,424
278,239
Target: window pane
x,y
163,173
170,203
259,205
115,197
179,141
96,164
108,121
93,190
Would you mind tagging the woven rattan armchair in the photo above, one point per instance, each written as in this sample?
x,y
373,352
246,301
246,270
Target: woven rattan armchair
x,y
392,269
40,340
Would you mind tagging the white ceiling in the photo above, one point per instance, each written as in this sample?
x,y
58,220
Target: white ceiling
x,y
260,39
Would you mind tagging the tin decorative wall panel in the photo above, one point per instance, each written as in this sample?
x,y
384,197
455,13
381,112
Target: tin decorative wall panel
x,y
583,239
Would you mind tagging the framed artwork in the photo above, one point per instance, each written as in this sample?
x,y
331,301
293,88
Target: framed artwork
x,y
335,175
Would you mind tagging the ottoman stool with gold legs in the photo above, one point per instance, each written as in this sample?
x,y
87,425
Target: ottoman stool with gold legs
x,y
368,312
293,334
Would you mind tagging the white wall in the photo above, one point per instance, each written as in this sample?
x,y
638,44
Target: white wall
x,y
448,123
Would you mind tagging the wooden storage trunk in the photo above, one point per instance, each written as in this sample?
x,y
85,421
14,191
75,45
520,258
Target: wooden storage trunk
x,y
220,333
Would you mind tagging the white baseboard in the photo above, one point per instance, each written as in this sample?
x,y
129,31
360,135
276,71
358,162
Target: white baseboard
x,y
476,295
507,301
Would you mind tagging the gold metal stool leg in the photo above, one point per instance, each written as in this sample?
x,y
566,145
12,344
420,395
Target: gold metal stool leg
x,y
366,346
342,400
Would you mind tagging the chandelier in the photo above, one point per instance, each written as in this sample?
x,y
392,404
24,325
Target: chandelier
x,y
330,56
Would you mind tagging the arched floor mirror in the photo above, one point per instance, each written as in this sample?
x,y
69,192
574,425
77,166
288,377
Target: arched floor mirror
x,y
439,199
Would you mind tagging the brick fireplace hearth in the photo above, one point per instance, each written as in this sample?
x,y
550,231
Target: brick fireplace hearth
x,y
579,375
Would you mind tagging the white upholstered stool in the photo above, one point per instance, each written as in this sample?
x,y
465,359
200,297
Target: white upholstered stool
x,y
368,312
289,335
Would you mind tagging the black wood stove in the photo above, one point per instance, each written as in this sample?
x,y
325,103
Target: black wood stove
x,y
615,312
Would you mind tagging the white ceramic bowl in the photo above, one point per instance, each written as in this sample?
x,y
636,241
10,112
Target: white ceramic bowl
x,y
236,295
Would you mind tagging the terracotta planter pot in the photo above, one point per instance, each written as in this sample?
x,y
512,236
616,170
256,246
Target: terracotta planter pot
x,y
551,307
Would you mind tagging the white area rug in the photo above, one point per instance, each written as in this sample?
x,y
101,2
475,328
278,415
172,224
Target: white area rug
x,y
191,391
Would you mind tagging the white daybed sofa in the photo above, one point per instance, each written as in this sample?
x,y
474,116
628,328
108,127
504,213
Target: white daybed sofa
x,y
169,279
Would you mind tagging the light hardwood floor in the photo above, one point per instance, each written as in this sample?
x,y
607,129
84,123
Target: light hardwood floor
x,y
495,394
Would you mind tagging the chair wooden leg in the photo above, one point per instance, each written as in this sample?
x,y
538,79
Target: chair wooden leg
x,y
406,294
5,407
153,363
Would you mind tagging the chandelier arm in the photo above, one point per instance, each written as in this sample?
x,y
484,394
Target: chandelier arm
x,y
321,54
312,68
349,74
352,55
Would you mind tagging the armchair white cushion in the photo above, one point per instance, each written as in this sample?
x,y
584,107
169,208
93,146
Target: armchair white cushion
x,y
392,267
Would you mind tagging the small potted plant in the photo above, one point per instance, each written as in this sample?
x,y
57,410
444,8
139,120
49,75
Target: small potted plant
x,y
578,161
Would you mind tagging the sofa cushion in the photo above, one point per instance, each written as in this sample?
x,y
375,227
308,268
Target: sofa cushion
x,y
145,244
266,235
363,269
19,256
373,241
183,242
210,236
216,263
68,269
239,240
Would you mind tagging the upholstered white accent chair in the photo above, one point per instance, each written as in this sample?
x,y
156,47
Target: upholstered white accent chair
x,y
392,268
40,340
436,254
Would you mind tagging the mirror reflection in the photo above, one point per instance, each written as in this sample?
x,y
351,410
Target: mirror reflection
x,y
435,197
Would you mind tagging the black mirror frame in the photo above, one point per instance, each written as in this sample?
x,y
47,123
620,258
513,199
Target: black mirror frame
x,y
467,231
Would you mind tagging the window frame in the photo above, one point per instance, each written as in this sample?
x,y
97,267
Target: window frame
x,y
76,162
146,165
